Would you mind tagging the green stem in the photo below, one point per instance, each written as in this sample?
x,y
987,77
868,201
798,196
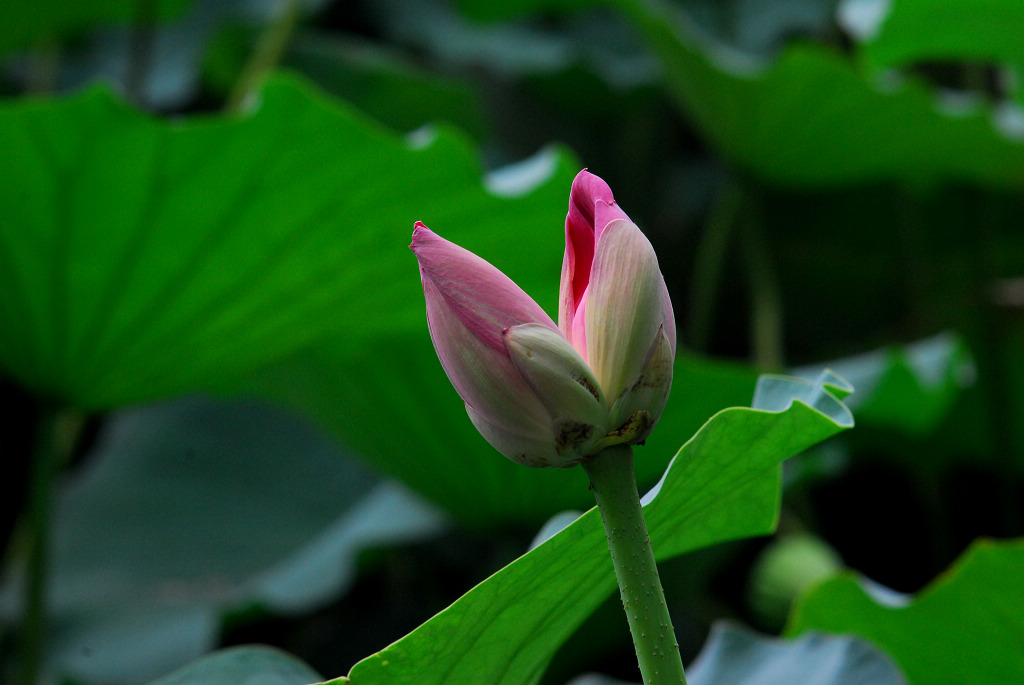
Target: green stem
x,y
268,52
614,486
45,462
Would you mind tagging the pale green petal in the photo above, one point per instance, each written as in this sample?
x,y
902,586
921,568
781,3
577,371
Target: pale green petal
x,y
558,375
649,391
626,307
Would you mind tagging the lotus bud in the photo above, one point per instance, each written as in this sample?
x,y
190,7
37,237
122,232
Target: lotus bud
x,y
547,395
615,309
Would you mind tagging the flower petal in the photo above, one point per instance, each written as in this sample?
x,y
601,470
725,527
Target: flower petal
x,y
536,449
469,305
649,391
557,374
484,299
580,239
577,334
485,378
627,305
604,214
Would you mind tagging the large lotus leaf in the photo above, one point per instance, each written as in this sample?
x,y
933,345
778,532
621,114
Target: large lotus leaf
x,y
141,258
374,398
723,484
812,119
964,628
906,31
391,403
25,23
243,666
190,511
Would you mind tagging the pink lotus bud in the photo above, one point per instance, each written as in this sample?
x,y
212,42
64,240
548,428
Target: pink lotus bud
x,y
614,307
552,396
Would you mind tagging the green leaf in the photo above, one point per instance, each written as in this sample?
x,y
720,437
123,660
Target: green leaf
x,y
390,402
736,656
243,666
142,258
190,512
811,119
911,387
964,628
372,399
907,31
25,23
723,484
774,393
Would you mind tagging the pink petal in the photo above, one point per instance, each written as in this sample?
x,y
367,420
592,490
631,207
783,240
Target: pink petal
x,y
587,189
485,378
578,328
470,304
604,214
529,448
484,299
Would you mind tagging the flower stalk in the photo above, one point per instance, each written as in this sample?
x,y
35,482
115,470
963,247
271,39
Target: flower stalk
x,y
643,599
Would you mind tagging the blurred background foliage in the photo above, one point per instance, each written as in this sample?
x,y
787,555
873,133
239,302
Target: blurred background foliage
x,y
206,301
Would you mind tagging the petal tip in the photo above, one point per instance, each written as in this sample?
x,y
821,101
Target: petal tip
x,y
419,232
593,185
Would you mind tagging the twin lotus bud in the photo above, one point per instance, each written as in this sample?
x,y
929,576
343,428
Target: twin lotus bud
x,y
547,395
